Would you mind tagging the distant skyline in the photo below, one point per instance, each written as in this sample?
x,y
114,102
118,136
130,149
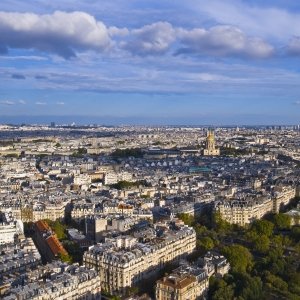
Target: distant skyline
x,y
150,62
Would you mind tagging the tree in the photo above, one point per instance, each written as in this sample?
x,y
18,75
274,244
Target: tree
x,y
80,152
262,244
206,243
249,288
58,228
276,282
123,153
263,227
296,233
282,221
65,257
239,257
293,281
74,250
123,184
187,219
219,224
220,290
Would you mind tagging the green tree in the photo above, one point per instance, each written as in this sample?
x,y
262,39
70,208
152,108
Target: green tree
x,y
276,282
262,244
219,224
80,152
263,227
296,233
58,228
121,153
220,290
293,280
250,288
74,250
187,219
206,243
239,257
65,257
282,221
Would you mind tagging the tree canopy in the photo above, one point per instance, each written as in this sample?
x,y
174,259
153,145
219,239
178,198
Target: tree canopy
x,y
239,257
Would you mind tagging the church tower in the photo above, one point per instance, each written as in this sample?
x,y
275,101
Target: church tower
x,y
210,145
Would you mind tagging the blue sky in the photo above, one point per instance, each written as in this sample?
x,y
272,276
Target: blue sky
x,y
153,62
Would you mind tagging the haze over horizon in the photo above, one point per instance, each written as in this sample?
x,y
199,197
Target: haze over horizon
x,y
150,62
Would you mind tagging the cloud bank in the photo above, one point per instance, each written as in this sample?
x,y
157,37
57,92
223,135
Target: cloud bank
x,y
68,33
60,33
223,41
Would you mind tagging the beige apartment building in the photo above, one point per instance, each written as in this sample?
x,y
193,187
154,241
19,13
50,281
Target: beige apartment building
x,y
283,195
243,212
78,283
180,287
123,262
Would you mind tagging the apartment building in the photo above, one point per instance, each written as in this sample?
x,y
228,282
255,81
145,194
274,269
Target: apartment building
x,y
47,242
63,283
283,195
191,281
9,228
243,212
123,262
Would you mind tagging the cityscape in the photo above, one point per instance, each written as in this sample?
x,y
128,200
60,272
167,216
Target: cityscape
x,y
149,150
138,212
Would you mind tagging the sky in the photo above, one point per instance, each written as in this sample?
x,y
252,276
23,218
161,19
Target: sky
x,y
158,62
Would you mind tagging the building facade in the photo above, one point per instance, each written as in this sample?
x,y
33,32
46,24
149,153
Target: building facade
x,y
243,212
9,228
191,281
123,262
63,283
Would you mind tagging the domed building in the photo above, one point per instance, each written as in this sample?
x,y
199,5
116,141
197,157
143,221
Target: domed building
x,y
210,146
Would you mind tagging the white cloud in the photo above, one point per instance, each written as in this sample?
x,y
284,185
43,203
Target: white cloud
x,y
60,33
265,21
65,34
115,31
60,103
153,39
10,102
40,103
23,57
223,41
158,38
7,102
